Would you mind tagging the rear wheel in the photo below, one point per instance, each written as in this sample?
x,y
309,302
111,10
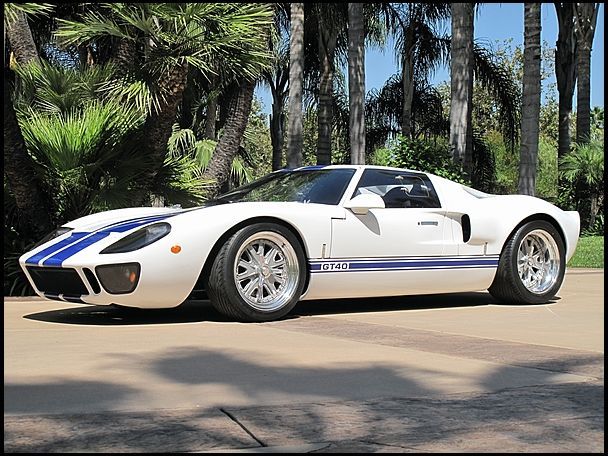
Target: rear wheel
x,y
532,265
258,274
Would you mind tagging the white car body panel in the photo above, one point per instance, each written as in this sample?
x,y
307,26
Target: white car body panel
x,y
388,251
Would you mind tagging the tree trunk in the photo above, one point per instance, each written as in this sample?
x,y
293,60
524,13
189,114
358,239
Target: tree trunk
x,y
356,83
585,20
327,47
32,204
33,207
276,130
583,94
218,170
21,40
461,68
211,118
125,55
407,71
565,72
296,78
158,126
530,112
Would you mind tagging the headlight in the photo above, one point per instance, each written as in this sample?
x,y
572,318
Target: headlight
x,y
118,278
52,235
141,238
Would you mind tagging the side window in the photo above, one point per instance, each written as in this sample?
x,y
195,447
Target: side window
x,y
399,189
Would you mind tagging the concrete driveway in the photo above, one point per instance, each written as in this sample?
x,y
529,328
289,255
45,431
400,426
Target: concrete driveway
x,y
427,373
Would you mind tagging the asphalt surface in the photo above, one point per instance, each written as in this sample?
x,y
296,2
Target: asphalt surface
x,y
443,373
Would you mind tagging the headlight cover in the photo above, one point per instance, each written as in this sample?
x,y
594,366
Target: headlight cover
x,y
118,278
52,235
141,238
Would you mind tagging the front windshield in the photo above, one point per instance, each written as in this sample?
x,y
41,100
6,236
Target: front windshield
x,y
321,186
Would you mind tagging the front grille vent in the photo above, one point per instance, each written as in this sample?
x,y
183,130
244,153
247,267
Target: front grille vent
x,y
58,281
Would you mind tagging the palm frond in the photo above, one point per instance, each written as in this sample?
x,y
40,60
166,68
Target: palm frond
x,y
29,9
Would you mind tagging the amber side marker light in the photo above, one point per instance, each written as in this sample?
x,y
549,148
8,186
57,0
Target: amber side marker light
x,y
176,249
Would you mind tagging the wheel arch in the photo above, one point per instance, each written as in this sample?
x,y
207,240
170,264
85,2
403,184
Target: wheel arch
x,y
535,217
200,282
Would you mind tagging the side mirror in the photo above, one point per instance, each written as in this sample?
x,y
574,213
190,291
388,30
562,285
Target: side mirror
x,y
361,204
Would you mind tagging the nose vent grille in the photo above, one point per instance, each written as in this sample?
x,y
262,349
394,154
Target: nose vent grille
x,y
92,280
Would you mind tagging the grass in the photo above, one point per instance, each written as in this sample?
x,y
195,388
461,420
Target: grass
x,y
589,253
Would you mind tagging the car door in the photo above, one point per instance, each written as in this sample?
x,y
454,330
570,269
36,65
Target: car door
x,y
393,250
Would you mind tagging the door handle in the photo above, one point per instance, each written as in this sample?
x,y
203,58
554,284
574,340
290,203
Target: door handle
x,y
428,223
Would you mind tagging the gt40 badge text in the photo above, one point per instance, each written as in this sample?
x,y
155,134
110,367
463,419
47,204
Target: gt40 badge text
x,y
334,266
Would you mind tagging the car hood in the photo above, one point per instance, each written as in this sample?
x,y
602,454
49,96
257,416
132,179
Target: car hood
x,y
123,219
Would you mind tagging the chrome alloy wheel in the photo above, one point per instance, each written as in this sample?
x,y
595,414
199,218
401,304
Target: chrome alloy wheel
x,y
266,271
538,261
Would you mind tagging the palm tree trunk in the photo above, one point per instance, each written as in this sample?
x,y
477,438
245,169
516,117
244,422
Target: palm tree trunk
x,y
565,72
296,78
461,67
158,126
583,94
276,129
32,204
327,47
530,112
407,70
124,56
21,40
585,20
33,207
356,83
211,118
218,170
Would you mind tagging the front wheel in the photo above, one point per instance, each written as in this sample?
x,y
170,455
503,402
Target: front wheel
x,y
532,265
258,274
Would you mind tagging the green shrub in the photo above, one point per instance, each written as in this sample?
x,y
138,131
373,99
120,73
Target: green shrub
x,y
420,155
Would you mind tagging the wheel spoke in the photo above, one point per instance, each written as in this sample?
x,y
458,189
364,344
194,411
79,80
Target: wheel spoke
x,y
249,288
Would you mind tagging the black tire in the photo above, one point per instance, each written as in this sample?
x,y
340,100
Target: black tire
x,y
241,299
509,286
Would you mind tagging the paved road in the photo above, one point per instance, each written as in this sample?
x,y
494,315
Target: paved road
x,y
409,374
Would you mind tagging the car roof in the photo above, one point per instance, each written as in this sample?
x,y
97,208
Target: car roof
x,y
388,168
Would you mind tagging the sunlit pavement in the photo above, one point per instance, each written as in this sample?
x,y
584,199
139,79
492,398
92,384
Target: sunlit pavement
x,y
420,373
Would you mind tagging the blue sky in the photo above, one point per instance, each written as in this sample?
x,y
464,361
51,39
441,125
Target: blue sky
x,y
494,21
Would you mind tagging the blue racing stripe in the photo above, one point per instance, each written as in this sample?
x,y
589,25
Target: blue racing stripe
x,y
57,259
118,227
383,264
61,251
55,247
130,224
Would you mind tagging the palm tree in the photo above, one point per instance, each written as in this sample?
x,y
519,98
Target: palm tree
x,y
87,147
356,83
296,77
585,18
530,100
565,72
384,107
163,39
461,70
30,199
417,46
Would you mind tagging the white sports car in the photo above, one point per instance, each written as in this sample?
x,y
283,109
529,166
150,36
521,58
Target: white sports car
x,y
312,233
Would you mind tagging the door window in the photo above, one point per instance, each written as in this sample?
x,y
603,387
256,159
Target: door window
x,y
399,189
